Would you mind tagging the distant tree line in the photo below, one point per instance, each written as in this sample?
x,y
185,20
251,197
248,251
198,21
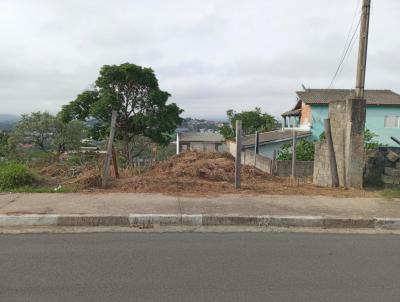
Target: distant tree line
x,y
252,121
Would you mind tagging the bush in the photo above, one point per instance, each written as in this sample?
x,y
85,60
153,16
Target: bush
x,y
15,175
304,151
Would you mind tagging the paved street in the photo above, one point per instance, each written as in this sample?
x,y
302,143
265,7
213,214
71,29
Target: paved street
x,y
199,267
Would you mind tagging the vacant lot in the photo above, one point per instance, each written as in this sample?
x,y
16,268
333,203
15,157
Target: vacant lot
x,y
194,173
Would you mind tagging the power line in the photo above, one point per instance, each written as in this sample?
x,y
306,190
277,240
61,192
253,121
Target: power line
x,y
348,50
348,45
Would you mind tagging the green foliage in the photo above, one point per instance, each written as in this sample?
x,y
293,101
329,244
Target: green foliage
x,y
227,131
67,136
14,175
35,128
370,141
304,151
47,132
252,121
391,193
4,136
134,93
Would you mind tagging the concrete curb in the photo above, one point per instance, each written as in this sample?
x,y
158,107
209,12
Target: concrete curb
x,y
138,220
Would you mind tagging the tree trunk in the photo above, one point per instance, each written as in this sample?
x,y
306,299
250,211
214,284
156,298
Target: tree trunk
x,y
127,152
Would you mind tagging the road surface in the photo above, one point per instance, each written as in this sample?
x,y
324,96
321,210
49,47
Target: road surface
x,y
199,267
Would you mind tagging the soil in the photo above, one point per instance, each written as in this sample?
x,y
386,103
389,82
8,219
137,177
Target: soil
x,y
213,173
190,173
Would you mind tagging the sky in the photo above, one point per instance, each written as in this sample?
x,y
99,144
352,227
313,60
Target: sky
x,y
211,55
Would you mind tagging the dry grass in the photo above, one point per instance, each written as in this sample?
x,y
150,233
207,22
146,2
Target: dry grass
x,y
213,173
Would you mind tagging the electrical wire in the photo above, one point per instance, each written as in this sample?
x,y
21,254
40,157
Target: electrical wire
x,y
348,46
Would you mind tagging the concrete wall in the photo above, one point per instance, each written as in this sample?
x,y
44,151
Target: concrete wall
x,y
282,167
322,168
303,168
202,146
260,162
230,147
347,125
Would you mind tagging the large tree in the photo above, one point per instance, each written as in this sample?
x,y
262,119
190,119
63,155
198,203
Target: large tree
x,y
47,132
252,121
134,93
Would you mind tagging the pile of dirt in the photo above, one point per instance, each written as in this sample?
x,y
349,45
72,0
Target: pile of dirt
x,y
210,166
213,173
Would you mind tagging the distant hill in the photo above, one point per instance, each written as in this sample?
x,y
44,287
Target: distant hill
x,y
9,118
8,121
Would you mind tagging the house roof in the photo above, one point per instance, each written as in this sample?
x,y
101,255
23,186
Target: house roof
x,y
272,136
201,137
294,112
324,96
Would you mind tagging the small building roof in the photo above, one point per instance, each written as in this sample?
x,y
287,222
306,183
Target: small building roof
x,y
324,96
294,112
201,137
274,136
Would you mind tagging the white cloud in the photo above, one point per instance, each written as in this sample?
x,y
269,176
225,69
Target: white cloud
x,y
211,55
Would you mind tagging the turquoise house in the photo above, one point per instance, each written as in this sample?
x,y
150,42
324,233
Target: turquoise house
x,y
383,112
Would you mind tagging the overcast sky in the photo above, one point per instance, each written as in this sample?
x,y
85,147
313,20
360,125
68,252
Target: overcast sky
x,y
211,55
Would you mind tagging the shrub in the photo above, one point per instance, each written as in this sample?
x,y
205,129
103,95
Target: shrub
x,y
304,151
15,175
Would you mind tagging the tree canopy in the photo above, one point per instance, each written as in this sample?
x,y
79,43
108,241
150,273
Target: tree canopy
x,y
4,136
47,132
132,91
252,121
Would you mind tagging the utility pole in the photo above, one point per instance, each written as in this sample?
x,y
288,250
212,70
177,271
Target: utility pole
x,y
294,155
363,46
106,168
256,148
238,159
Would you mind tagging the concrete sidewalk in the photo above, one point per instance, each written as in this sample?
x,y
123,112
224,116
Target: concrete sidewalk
x,y
236,209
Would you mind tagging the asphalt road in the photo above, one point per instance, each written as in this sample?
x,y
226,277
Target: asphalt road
x,y
199,267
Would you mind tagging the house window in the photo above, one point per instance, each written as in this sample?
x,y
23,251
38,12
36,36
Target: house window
x,y
392,121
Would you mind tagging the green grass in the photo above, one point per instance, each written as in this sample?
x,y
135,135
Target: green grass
x,y
391,193
14,175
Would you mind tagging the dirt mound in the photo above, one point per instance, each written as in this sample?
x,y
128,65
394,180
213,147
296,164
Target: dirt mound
x,y
210,166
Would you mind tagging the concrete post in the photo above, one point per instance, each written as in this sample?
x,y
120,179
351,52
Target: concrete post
x,y
238,158
354,147
177,143
294,155
106,168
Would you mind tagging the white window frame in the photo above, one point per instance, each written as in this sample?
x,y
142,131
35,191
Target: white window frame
x,y
397,123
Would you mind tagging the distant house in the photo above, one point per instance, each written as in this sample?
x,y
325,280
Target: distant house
x,y
268,141
200,141
383,112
